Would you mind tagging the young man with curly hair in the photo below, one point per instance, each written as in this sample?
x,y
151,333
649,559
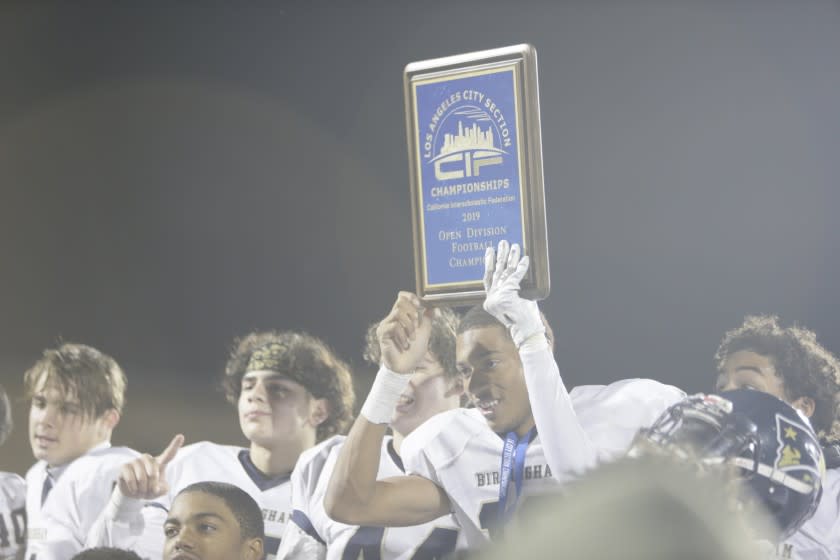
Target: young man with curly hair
x,y
789,363
290,390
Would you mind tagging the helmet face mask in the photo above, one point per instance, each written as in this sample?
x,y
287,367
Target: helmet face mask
x,y
770,448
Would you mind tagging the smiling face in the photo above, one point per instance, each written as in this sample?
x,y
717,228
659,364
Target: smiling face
x,y
59,430
429,392
488,359
201,526
274,410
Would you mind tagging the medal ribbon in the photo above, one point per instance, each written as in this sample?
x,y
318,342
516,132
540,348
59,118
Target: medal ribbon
x,y
513,463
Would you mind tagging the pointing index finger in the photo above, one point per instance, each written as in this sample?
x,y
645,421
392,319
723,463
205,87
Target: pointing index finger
x,y
169,453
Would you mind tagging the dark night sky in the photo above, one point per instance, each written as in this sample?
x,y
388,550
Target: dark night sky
x,y
175,174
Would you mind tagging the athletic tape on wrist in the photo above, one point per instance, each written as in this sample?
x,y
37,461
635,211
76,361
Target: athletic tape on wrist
x,y
382,398
533,343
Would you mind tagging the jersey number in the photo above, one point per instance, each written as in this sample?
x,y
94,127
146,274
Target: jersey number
x,y
17,524
367,543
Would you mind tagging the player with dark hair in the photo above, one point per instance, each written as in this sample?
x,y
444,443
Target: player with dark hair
x,y
522,437
106,553
789,363
435,387
12,495
290,390
214,521
77,395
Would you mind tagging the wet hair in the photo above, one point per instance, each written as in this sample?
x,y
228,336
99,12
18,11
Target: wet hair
x,y
441,341
805,367
106,553
477,318
243,507
5,416
304,359
92,376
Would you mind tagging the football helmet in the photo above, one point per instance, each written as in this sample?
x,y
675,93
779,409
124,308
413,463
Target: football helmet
x,y
773,447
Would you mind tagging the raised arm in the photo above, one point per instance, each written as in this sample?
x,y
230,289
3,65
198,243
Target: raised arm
x,y
354,496
566,445
130,520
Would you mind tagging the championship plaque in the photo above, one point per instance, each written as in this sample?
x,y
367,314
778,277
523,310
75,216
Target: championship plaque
x,y
475,157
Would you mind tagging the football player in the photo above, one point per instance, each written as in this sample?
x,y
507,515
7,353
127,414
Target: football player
x,y
479,463
12,496
791,365
434,387
763,441
106,553
77,395
291,391
214,521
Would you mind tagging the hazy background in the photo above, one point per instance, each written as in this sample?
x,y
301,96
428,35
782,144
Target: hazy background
x,y
175,174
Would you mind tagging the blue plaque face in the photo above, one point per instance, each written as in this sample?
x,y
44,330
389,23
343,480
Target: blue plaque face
x,y
469,171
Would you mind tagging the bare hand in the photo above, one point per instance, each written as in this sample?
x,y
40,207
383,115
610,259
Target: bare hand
x,y
404,334
145,477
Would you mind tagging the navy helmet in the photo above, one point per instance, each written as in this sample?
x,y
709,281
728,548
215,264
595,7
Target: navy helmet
x,y
771,444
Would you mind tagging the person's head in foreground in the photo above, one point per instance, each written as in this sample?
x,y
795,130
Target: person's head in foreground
x,y
106,553
768,447
650,508
213,521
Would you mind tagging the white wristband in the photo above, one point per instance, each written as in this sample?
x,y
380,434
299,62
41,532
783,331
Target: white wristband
x,y
534,343
382,398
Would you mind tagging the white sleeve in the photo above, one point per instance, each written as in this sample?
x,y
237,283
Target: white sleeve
x,y
130,524
566,445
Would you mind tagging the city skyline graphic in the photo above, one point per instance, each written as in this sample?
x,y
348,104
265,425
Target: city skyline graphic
x,y
470,135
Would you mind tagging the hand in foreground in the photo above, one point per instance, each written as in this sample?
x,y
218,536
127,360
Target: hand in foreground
x,y
145,477
404,334
503,273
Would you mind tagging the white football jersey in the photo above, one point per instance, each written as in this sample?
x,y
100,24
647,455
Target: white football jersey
x,y
593,423
12,516
141,528
61,512
459,452
819,537
337,541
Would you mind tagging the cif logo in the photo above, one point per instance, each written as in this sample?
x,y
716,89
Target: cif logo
x,y
468,147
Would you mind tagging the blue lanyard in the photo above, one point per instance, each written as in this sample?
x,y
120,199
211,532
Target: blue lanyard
x,y
513,462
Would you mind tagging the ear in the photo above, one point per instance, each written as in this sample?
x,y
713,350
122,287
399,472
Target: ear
x,y
806,405
456,387
253,549
319,411
110,418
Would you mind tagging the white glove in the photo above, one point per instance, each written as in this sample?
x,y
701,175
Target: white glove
x,y
502,274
